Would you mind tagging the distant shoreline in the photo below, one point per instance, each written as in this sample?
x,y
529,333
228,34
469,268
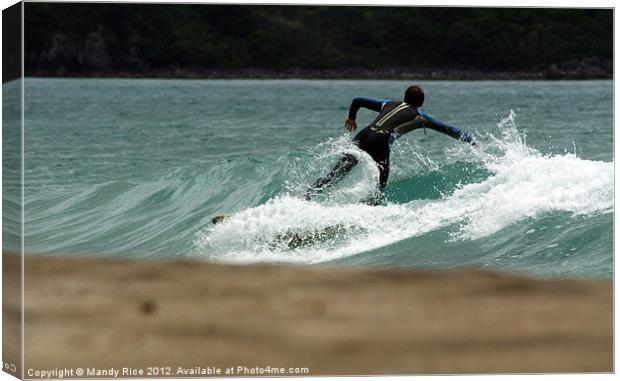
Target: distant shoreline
x,y
553,73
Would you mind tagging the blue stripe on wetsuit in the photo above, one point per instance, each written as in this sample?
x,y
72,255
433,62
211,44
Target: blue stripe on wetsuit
x,y
369,103
440,126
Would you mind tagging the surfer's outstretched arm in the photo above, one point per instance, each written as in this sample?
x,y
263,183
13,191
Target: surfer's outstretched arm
x,y
369,103
437,125
359,102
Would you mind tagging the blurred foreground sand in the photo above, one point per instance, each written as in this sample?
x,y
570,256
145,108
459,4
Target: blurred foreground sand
x,y
117,313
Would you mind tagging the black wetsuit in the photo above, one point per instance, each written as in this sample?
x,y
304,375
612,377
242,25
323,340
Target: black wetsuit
x,y
395,119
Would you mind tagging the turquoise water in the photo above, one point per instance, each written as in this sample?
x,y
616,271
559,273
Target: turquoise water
x,y
137,168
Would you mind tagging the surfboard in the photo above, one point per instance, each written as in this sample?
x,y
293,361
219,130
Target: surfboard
x,y
299,238
295,239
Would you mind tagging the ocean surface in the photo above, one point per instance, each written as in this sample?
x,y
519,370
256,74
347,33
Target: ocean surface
x,y
138,168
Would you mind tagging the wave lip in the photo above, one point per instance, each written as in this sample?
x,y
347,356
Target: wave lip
x,y
533,185
527,184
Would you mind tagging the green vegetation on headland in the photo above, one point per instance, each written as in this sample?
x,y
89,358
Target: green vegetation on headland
x,y
244,41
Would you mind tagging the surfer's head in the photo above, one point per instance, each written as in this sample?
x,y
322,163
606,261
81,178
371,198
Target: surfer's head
x,y
414,96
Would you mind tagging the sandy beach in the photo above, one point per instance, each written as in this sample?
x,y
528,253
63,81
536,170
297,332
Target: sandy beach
x,y
190,317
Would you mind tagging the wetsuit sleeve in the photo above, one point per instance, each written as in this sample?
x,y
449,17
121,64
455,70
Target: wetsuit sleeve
x,y
369,103
437,125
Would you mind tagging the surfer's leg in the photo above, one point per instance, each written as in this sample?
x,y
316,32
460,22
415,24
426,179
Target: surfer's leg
x,y
344,165
384,173
378,148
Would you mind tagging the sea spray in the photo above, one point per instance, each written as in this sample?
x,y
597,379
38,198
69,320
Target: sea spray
x,y
356,186
527,184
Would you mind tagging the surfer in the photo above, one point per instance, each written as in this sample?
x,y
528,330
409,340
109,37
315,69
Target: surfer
x,y
395,119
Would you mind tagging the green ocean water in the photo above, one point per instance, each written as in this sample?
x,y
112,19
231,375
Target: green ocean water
x,y
137,168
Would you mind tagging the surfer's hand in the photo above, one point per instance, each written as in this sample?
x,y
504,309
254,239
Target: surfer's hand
x,y
350,124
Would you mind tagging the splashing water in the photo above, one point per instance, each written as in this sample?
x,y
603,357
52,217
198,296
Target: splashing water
x,y
521,184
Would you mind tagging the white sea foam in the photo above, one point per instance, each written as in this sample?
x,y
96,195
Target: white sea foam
x,y
523,184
